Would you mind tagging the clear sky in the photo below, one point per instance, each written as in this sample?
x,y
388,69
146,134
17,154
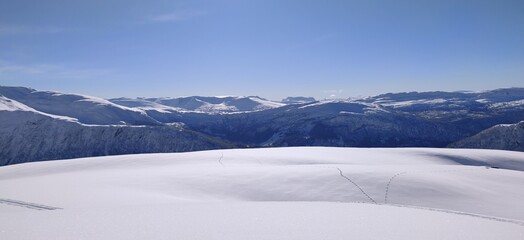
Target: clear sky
x,y
270,48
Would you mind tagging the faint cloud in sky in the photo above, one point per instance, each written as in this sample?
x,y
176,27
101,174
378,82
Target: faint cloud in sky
x,y
49,71
177,16
6,29
333,93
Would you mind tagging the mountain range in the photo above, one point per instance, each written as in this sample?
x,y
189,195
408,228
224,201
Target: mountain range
x,y
44,125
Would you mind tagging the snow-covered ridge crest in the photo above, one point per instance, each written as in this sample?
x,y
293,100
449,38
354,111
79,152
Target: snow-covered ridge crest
x,y
86,98
200,104
87,109
346,106
411,102
10,105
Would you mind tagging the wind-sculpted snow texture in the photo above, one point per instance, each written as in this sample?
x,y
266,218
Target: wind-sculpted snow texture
x,y
32,120
273,193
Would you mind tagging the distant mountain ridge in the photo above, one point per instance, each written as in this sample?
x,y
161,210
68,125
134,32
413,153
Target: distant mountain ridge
x,y
87,109
211,105
39,125
295,100
27,134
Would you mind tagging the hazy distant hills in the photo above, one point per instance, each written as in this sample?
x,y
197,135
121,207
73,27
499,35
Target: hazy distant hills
x,y
295,100
39,125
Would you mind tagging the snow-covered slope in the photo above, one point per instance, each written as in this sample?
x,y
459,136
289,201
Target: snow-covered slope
x,y
30,135
37,138
11,106
279,193
209,105
88,110
502,136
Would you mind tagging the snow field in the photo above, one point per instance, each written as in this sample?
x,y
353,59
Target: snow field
x,y
273,193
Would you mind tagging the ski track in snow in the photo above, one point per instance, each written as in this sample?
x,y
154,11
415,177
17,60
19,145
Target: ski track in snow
x,y
386,194
389,183
505,220
341,173
513,221
27,204
356,185
220,160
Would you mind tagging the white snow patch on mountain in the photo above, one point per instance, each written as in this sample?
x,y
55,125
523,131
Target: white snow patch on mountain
x,y
266,104
398,104
510,104
327,101
7,104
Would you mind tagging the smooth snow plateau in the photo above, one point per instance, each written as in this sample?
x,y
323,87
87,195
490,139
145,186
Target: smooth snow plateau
x,y
276,193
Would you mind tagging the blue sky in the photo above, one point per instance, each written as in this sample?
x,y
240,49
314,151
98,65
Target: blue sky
x,y
274,49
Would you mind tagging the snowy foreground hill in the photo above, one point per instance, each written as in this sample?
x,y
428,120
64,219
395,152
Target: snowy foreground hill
x,y
274,193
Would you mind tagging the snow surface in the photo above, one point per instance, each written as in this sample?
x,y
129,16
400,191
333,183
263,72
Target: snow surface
x,y
274,193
